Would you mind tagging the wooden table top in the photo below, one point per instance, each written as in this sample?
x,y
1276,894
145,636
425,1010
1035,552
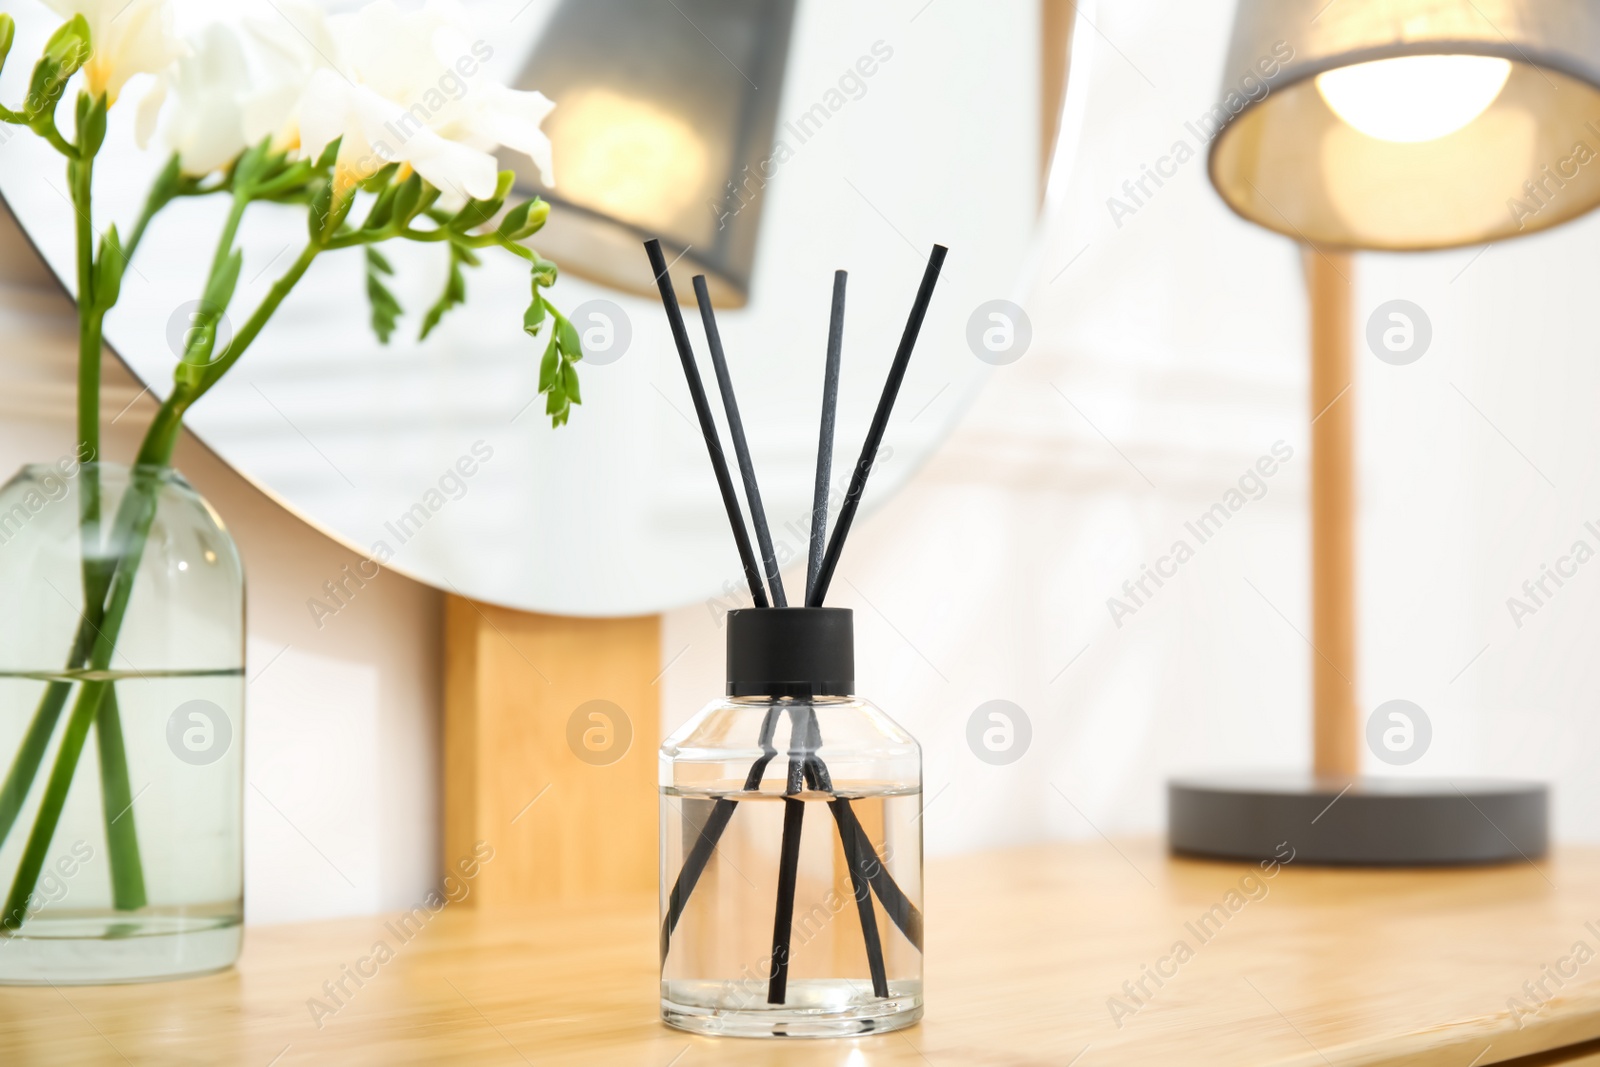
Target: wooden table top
x,y
1025,950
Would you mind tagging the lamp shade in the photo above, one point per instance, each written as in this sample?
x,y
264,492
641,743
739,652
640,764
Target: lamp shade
x,y
1410,124
664,127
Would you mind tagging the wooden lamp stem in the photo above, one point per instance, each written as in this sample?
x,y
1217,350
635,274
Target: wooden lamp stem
x,y
1336,726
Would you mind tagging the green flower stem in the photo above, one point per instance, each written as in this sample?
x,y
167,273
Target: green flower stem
x,y
91,318
25,766
127,872
136,515
90,315
162,436
55,797
96,575
253,326
356,238
49,132
131,530
116,792
122,842
99,566
116,797
230,231
109,571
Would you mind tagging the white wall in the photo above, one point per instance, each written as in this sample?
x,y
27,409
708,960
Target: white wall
x,y
1168,356
341,731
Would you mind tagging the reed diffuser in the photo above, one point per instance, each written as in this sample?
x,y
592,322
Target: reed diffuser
x,y
791,880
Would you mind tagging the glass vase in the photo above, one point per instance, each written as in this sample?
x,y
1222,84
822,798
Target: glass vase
x,y
121,727
791,848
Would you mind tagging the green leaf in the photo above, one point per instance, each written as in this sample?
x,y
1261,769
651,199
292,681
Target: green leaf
x,y
198,353
455,293
550,367
65,52
108,270
570,345
328,211
569,383
69,45
515,219
533,318
382,209
386,309
415,197
407,197
321,208
202,340
330,153
44,92
478,212
524,220
188,374
557,408
558,372
287,181
92,125
168,182
220,286
253,165
380,178
8,34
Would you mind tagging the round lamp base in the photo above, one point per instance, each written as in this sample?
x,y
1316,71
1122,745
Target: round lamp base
x,y
1375,822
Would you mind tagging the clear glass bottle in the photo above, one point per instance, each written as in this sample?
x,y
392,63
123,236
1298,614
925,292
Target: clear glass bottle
x,y
791,845
121,732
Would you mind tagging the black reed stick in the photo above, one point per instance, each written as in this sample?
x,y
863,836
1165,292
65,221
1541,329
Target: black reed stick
x,y
694,864
896,904
880,422
741,450
817,777
830,410
794,812
708,427
862,856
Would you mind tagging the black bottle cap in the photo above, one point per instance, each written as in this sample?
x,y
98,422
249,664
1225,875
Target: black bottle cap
x,y
791,652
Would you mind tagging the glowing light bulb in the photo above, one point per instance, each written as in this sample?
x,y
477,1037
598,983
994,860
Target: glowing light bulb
x,y
627,157
1414,98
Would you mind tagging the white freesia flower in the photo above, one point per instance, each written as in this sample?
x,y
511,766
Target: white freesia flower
x,y
126,37
293,43
205,124
233,87
410,87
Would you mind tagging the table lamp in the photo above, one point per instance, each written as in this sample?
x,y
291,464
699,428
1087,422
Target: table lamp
x,y
1404,126
667,128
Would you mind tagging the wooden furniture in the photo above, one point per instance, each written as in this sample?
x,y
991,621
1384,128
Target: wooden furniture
x,y
516,776
1026,948
1335,718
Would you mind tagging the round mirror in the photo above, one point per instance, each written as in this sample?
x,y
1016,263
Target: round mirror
x,y
899,129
